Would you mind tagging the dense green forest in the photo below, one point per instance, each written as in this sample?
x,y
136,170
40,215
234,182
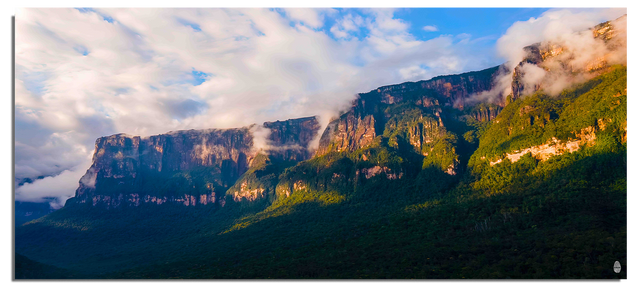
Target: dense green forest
x,y
564,217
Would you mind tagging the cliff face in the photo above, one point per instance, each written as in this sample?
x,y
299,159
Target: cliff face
x,y
483,112
450,90
348,133
123,164
290,138
369,114
486,113
182,167
289,141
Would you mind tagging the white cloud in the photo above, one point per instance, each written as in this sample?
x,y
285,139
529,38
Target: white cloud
x,y
384,20
412,73
534,76
53,189
337,32
430,28
314,18
387,34
62,160
349,24
464,38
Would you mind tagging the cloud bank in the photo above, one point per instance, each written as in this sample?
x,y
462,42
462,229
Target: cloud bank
x,y
573,50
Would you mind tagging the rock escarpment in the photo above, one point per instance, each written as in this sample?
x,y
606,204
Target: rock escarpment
x,y
486,113
450,90
290,138
127,168
192,167
370,112
348,133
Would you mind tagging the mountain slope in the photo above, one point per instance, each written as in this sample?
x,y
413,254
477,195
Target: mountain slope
x,y
562,217
413,181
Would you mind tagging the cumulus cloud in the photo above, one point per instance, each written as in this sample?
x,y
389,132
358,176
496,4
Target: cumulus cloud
x,y
412,72
313,18
347,26
82,74
430,28
388,34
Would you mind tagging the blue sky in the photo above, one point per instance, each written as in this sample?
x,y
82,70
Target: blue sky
x,y
478,22
88,72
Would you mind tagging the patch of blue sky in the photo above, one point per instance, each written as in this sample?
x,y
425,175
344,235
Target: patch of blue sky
x,y
478,22
82,50
195,78
107,18
34,82
294,22
361,31
283,14
85,10
199,77
187,23
329,20
258,31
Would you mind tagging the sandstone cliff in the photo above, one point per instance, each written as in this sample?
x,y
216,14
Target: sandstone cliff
x,y
486,112
290,138
192,167
369,114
